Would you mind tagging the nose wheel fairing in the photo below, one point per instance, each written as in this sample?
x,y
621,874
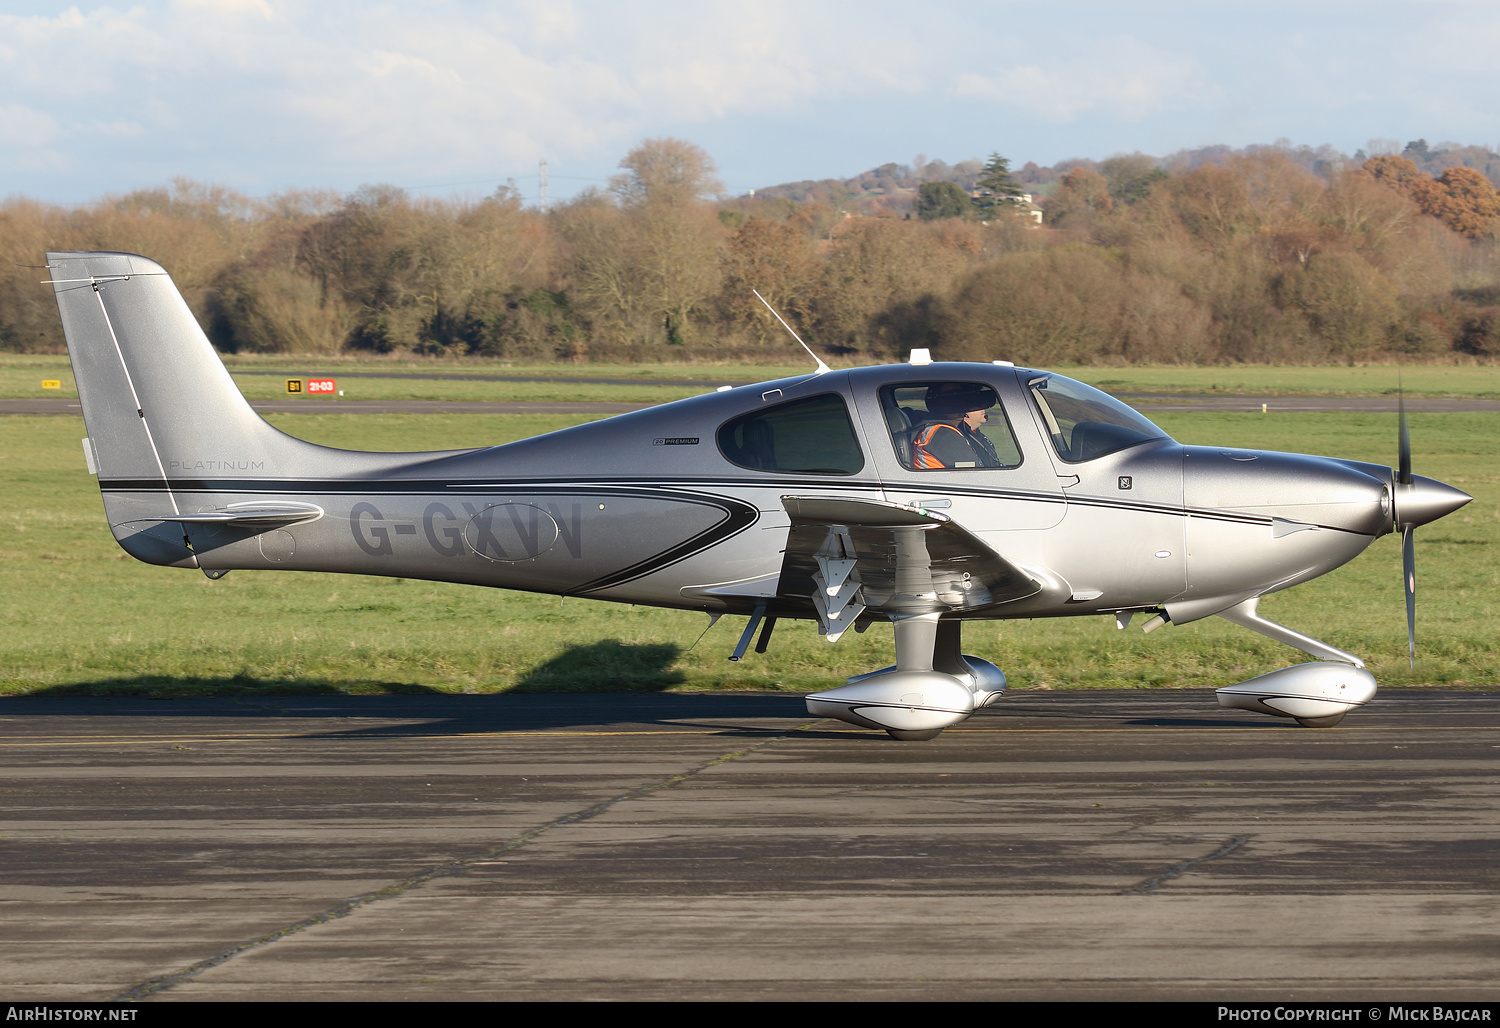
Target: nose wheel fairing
x,y
1316,695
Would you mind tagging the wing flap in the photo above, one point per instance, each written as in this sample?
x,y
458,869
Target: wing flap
x,y
849,556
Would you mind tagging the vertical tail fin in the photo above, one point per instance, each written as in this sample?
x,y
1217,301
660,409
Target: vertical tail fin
x,y
169,432
156,398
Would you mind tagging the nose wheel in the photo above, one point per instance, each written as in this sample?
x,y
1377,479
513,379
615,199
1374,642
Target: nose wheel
x,y
909,736
1321,722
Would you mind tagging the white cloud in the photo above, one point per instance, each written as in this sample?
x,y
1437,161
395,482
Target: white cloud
x,y
25,135
230,8
337,92
409,89
486,90
1119,79
120,129
21,126
552,21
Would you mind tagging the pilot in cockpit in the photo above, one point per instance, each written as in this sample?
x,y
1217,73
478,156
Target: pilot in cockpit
x,y
952,438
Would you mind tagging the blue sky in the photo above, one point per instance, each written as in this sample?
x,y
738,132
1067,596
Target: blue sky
x,y
445,96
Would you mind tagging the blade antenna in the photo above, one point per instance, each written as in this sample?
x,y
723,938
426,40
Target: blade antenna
x,y
821,366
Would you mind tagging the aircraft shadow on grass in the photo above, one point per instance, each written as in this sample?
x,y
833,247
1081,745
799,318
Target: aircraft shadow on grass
x,y
423,712
585,686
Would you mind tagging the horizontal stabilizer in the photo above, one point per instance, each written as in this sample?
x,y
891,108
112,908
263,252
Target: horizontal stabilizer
x,y
260,515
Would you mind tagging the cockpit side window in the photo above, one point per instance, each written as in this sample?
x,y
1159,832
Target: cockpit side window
x,y
948,426
805,437
1085,423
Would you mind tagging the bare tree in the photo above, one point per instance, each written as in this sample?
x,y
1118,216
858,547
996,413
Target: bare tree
x,y
669,172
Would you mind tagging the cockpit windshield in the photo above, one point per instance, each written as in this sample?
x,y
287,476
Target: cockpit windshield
x,y
1085,423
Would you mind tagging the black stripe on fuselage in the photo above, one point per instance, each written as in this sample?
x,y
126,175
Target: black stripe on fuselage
x,y
656,486
739,516
387,486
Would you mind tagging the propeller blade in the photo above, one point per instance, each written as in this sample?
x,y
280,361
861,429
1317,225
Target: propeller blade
x,y
1409,573
1403,472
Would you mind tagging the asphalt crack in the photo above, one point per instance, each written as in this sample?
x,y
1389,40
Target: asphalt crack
x,y
1152,884
153,986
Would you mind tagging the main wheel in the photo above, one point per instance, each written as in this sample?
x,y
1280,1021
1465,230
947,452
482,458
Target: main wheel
x,y
1322,722
909,736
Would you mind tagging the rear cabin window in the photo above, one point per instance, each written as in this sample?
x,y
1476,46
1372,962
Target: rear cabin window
x,y
805,437
935,426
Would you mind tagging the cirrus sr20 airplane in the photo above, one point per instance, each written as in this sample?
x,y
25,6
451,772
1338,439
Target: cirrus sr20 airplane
x,y
924,494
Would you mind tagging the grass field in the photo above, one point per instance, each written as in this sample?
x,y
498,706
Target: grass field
x,y
80,616
264,378
22,376
1481,381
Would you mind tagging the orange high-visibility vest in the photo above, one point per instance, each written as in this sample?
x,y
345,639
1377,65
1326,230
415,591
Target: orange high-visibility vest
x,y
920,457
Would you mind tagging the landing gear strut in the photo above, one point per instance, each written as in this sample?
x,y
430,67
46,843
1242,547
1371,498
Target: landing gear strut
x,y
1315,695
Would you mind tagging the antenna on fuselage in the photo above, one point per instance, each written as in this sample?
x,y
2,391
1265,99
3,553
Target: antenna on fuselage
x,y
821,366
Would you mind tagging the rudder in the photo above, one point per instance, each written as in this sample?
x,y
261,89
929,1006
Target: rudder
x,y
159,406
153,391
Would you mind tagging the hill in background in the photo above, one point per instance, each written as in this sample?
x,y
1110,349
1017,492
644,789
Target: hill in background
x,y
891,189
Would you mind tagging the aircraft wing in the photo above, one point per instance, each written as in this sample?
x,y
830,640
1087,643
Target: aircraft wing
x,y
848,556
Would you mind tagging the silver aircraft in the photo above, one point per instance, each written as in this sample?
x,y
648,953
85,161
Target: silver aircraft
x,y
924,494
